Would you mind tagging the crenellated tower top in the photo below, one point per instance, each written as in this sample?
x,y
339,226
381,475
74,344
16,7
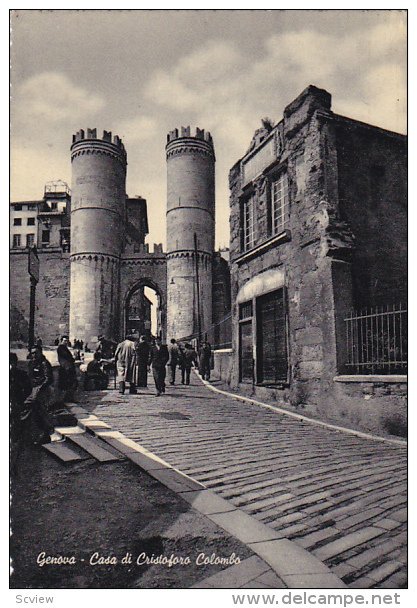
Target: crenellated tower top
x,y
181,141
87,142
186,132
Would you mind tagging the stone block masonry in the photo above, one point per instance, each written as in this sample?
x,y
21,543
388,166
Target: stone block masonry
x,y
97,223
318,202
52,295
190,232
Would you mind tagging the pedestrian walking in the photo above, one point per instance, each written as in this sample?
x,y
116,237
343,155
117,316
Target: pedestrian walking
x,y
173,352
205,360
158,358
125,360
142,361
181,361
190,360
38,402
67,373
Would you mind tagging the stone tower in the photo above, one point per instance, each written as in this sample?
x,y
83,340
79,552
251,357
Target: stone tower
x,y
190,231
97,222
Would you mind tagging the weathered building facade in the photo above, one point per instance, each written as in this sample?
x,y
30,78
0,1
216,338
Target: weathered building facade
x,y
95,265
317,228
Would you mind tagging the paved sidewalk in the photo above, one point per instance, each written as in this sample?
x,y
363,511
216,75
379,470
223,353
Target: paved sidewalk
x,y
90,510
341,497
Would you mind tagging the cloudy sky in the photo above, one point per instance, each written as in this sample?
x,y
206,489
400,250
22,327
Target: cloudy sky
x,y
143,73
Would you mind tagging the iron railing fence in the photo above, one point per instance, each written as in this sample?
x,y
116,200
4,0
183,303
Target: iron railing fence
x,y
376,340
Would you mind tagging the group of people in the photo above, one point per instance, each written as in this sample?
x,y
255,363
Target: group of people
x,y
31,393
134,359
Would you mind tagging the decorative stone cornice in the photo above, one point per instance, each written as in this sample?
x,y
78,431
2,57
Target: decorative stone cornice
x,y
94,257
87,147
202,255
143,262
283,237
191,146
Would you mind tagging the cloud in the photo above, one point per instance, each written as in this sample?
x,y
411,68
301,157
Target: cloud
x,y
137,129
221,84
224,89
38,165
53,97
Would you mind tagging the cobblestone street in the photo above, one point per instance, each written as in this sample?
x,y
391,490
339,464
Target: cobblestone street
x,y
340,496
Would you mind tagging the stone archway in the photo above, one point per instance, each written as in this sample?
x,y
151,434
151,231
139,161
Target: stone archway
x,y
139,270
161,311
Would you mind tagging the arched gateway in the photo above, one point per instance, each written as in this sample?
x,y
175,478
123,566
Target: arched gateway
x,y
137,272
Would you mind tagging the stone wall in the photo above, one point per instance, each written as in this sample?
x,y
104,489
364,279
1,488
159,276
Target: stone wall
x,y
374,403
300,252
220,334
372,177
329,248
222,364
52,296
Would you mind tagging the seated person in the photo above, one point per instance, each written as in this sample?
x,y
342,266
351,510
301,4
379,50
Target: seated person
x,y
95,375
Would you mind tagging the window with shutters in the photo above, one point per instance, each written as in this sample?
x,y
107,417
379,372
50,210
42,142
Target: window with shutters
x,y
30,240
16,240
271,339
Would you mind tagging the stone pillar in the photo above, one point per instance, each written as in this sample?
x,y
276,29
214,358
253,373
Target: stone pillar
x,y
190,220
97,222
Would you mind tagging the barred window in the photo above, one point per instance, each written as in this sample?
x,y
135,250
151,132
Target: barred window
x,y
271,338
279,206
245,310
249,223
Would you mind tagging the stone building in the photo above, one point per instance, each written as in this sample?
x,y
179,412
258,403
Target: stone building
x,y
318,229
43,223
95,264
190,231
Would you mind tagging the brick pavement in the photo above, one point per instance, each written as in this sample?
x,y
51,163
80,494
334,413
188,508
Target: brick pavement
x,y
341,497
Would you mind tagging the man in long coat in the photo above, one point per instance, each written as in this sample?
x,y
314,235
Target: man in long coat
x,y
67,371
142,359
190,360
173,352
158,358
125,359
205,360
38,403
